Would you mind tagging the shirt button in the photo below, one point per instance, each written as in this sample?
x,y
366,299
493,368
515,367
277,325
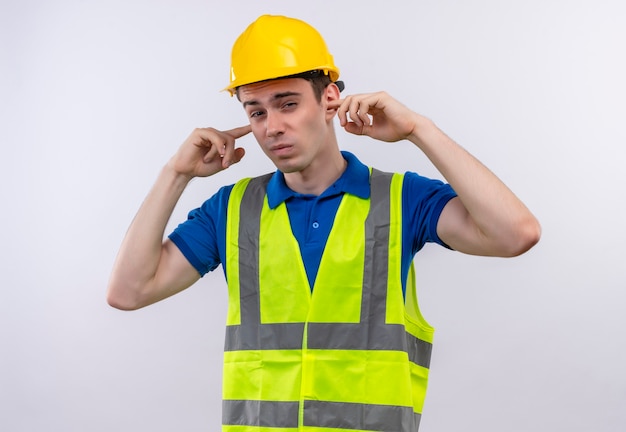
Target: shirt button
x,y
316,225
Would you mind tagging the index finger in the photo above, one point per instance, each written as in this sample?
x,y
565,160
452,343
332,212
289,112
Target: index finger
x,y
335,103
341,105
240,131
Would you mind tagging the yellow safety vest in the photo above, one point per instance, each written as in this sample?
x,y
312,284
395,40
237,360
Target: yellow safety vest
x,y
352,354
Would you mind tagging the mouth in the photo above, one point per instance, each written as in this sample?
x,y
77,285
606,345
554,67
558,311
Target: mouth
x,y
281,149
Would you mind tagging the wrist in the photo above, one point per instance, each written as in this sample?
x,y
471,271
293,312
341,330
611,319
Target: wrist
x,y
175,177
424,129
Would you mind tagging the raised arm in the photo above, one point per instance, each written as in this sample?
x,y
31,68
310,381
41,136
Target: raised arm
x,y
148,269
486,218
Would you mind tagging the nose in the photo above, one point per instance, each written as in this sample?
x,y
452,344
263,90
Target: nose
x,y
273,124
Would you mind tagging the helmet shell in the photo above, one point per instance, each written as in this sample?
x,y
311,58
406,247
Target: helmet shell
x,y
276,46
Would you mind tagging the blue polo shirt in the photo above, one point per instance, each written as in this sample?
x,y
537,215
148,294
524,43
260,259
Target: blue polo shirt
x,y
202,238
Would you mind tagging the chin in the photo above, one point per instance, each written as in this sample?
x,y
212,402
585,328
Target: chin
x,y
287,165
287,169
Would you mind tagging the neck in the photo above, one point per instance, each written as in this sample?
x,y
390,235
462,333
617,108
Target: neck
x,y
318,177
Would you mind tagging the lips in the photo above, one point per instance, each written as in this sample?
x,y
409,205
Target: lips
x,y
281,149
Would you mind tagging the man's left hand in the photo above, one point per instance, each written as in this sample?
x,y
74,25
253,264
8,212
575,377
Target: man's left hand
x,y
377,115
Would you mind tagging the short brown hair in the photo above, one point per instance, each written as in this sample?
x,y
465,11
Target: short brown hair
x,y
318,79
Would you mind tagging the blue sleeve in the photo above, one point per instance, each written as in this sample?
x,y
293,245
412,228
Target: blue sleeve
x,y
202,237
423,199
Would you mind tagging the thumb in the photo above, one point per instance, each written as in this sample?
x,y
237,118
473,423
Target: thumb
x,y
355,129
238,132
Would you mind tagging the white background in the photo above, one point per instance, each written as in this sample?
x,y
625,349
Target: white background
x,y
96,96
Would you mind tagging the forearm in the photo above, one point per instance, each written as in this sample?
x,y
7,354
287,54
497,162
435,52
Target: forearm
x,y
503,225
486,218
140,253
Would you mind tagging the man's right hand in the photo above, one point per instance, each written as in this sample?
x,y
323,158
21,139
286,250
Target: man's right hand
x,y
207,151
148,269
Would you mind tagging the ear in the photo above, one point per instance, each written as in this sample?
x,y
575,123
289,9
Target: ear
x,y
331,93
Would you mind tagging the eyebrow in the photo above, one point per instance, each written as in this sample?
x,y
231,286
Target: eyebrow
x,y
274,97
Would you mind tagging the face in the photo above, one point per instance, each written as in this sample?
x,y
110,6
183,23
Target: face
x,y
292,127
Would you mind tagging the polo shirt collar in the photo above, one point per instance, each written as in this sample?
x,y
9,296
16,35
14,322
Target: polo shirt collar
x,y
354,181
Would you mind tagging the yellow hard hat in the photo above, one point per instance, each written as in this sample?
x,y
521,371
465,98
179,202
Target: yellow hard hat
x,y
277,46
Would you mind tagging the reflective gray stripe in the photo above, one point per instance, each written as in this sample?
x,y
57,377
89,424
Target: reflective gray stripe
x,y
249,228
390,337
321,414
264,337
260,413
343,415
378,334
355,337
419,350
327,336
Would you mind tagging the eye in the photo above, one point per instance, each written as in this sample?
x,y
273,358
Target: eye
x,y
289,105
254,114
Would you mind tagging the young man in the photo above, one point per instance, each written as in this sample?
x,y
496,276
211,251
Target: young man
x,y
323,328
